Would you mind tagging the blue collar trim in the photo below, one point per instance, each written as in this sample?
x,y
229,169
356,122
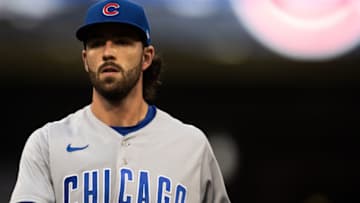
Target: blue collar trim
x,y
148,118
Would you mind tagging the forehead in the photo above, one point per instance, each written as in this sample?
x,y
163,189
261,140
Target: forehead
x,y
113,30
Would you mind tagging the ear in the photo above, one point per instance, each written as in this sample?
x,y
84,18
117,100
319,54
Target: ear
x,y
83,54
148,56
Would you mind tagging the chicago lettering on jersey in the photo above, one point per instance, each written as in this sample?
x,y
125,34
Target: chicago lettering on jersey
x,y
166,191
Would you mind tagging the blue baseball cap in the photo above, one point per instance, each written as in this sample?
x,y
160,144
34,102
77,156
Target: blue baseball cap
x,y
115,11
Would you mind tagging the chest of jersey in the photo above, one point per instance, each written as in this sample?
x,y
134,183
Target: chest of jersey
x,y
106,167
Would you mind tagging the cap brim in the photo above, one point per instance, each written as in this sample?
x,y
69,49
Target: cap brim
x,y
83,31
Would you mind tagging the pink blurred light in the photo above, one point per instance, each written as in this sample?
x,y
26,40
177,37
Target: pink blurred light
x,y
309,8
302,29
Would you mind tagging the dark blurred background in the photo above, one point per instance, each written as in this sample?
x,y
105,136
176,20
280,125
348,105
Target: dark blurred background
x,y
283,128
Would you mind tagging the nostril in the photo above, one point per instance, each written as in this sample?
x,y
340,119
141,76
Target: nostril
x,y
108,57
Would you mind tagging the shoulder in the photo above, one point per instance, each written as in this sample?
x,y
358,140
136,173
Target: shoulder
x,y
176,127
168,121
186,135
65,124
71,121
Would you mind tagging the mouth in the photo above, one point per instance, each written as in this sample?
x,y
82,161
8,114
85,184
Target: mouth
x,y
109,68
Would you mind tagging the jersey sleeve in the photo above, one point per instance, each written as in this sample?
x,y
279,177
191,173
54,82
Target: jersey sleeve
x,y
212,182
33,182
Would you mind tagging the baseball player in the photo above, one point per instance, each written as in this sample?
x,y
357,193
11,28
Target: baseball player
x,y
120,148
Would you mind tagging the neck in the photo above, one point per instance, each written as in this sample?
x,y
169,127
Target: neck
x,y
127,112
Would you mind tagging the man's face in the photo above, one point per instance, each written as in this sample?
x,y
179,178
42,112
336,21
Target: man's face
x,y
113,57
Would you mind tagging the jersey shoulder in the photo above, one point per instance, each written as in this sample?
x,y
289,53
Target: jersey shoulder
x,y
184,134
176,127
77,116
69,123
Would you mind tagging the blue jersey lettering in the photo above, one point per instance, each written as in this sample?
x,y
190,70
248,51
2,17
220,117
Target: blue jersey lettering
x,y
132,189
73,180
180,194
107,187
143,192
125,176
91,189
163,182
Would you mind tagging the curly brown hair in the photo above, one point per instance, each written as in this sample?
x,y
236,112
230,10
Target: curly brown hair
x,y
151,79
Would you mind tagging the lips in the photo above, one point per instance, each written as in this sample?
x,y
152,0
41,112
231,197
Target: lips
x,y
110,68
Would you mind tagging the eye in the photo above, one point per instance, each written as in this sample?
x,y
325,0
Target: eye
x,y
94,43
123,41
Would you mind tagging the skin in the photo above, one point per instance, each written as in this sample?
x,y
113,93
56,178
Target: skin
x,y
115,60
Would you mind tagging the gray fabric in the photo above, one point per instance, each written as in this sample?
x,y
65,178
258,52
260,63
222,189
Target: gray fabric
x,y
166,159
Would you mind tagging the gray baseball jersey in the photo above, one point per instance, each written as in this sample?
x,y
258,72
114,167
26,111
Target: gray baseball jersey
x,y
79,159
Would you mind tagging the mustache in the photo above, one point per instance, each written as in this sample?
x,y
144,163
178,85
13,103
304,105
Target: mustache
x,y
110,65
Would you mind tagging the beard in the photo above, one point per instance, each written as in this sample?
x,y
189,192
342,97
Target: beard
x,y
112,88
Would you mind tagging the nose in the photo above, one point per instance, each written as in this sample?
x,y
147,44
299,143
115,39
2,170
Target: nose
x,y
109,51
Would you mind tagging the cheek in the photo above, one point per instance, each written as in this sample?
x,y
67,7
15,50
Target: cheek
x,y
92,60
131,60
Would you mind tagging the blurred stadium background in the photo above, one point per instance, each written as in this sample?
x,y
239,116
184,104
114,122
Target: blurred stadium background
x,y
282,119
